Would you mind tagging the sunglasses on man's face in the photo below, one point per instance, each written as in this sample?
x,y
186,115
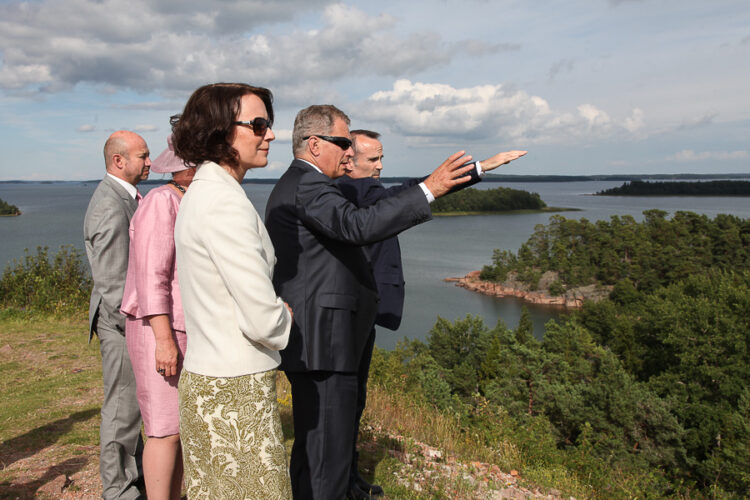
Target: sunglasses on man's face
x,y
259,125
342,142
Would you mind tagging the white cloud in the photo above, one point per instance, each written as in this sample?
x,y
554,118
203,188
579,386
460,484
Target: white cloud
x,y
172,48
152,106
275,166
688,155
595,118
698,121
635,121
145,128
283,135
86,128
496,111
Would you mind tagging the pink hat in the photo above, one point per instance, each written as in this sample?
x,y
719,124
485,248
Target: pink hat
x,y
167,162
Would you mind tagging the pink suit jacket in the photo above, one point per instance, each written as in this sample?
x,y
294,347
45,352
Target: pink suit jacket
x,y
151,286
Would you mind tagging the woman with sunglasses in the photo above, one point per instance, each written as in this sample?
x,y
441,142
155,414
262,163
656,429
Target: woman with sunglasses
x,y
229,421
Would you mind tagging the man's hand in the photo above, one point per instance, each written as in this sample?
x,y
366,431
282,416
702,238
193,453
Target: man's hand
x,y
449,174
500,159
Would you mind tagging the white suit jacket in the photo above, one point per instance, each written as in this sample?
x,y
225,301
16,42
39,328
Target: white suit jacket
x,y
235,323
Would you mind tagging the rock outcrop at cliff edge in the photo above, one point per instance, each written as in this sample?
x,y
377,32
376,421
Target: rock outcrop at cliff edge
x,y
572,298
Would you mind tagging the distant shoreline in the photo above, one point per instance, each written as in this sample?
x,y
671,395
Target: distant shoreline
x,y
724,187
487,178
509,212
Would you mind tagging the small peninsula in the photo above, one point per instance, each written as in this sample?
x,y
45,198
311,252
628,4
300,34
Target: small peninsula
x,y
710,188
8,210
568,262
490,201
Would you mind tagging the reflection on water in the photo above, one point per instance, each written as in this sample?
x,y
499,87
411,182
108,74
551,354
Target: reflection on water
x,y
447,246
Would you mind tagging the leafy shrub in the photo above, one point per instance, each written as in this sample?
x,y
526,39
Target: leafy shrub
x,y
556,288
37,285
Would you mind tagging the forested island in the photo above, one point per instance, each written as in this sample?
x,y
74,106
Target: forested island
x,y
709,188
8,209
479,201
646,389
649,254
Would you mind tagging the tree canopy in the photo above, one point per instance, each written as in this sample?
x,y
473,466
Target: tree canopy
x,y
644,394
488,200
709,188
652,253
8,209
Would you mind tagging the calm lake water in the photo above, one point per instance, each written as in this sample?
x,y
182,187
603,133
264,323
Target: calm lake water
x,y
446,246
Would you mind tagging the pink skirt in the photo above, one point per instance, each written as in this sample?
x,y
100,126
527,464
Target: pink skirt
x,y
158,397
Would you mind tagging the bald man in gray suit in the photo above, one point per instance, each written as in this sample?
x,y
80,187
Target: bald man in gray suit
x,y
105,231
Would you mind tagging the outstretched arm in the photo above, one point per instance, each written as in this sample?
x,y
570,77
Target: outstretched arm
x,y
452,172
500,159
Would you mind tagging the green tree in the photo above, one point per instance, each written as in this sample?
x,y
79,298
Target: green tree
x,y
525,329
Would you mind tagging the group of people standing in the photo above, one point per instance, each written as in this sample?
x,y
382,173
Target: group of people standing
x,y
197,302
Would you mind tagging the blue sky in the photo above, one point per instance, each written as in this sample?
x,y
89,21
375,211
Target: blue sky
x,y
586,86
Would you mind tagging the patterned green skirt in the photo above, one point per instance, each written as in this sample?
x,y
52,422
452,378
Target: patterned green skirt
x,y
232,443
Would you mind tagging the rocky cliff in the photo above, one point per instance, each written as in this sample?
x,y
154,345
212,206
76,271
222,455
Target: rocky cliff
x,y
572,298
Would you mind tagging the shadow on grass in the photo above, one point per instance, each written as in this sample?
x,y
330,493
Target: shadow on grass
x,y
30,443
372,451
28,490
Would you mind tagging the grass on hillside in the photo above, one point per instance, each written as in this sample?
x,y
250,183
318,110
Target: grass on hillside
x,y
50,381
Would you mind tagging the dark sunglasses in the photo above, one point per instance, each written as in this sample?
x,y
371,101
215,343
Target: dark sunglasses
x,y
260,125
341,142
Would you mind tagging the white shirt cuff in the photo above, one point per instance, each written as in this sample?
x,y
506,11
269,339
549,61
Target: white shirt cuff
x,y
427,193
480,172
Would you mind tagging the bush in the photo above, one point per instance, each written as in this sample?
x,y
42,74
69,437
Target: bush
x,y
556,288
36,285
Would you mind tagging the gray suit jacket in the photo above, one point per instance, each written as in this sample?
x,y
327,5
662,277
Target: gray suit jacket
x,y
322,270
105,234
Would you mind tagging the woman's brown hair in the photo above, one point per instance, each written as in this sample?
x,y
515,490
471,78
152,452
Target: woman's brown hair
x,y
203,131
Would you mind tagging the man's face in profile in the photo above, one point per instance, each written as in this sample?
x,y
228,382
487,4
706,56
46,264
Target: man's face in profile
x,y
368,158
333,160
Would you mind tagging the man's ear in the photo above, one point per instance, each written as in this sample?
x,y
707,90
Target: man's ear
x,y
118,161
313,145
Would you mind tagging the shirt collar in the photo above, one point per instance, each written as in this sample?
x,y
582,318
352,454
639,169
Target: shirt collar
x,y
132,191
313,166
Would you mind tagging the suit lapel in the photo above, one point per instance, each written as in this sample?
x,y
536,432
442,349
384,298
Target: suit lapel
x,y
121,193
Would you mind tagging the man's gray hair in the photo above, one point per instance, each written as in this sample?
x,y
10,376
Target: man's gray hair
x,y
366,133
315,119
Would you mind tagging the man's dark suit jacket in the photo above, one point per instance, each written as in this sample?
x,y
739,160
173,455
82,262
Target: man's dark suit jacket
x,y
385,255
322,271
